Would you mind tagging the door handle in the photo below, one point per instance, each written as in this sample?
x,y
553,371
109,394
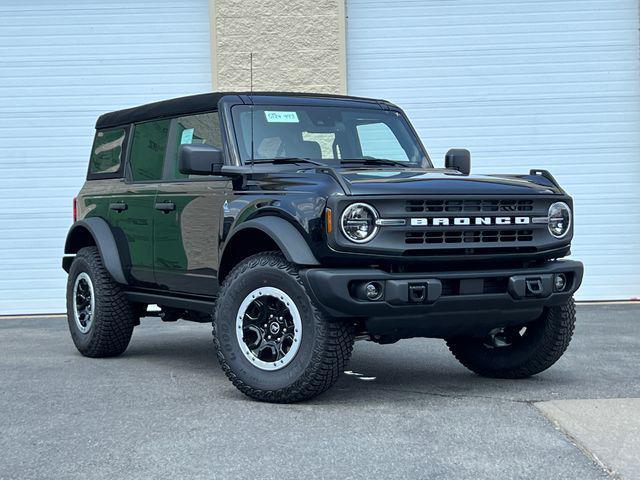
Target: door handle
x,y
118,206
165,207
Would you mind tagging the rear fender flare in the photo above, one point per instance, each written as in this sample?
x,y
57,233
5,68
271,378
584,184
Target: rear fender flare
x,y
103,238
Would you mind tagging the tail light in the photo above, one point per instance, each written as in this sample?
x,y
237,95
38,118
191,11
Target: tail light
x,y
75,209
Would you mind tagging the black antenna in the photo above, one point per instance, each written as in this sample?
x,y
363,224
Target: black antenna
x,y
252,107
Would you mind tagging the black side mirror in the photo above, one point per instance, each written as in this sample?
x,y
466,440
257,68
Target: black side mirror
x,y
200,159
458,159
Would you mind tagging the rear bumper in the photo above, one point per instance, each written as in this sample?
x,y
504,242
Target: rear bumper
x,y
480,295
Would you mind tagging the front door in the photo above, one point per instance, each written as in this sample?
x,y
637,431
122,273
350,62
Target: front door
x,y
188,213
186,235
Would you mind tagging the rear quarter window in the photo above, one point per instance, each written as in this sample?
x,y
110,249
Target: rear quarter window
x,y
107,153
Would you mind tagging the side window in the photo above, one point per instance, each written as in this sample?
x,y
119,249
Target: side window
x,y
147,150
106,155
378,141
201,128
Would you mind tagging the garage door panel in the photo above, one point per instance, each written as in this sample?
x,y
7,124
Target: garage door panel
x,y
62,64
546,84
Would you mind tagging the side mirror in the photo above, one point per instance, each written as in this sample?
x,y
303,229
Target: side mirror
x,y
458,159
200,159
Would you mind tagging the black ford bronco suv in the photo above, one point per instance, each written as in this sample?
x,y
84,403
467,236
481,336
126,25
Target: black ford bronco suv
x,y
297,223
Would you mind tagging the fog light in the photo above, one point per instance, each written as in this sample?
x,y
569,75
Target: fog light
x,y
373,291
559,282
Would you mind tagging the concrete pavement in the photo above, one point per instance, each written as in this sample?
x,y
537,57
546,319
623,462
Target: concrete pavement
x,y
409,410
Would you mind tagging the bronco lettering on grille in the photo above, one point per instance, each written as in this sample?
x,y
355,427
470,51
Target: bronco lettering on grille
x,y
462,221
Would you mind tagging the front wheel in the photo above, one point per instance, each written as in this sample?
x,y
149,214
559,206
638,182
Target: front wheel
x,y
519,351
272,342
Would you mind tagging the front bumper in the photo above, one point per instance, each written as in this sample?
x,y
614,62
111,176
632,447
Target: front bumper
x,y
486,296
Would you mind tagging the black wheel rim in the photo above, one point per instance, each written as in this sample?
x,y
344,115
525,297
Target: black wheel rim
x,y
269,328
83,302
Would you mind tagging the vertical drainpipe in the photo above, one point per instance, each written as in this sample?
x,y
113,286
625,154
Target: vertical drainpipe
x,y
213,35
342,29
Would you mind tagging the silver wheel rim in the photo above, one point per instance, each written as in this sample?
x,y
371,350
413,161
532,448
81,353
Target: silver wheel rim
x,y
84,304
268,328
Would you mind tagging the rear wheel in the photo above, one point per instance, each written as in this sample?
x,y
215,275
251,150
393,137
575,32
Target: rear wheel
x,y
520,351
100,317
272,342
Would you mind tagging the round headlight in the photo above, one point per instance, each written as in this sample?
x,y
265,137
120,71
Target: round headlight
x,y
358,222
559,219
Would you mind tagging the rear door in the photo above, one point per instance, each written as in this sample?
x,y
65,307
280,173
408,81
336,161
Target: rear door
x,y
132,212
189,219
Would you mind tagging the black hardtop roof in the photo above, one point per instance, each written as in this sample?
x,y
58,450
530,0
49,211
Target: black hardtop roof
x,y
203,102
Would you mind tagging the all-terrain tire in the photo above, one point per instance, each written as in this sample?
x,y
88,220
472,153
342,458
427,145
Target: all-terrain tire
x,y
544,342
325,347
114,316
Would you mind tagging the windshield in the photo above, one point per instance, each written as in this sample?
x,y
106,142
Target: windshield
x,y
330,135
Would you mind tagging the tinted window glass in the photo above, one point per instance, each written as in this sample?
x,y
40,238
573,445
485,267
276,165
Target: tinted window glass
x,y
325,143
107,151
378,141
147,150
203,128
324,133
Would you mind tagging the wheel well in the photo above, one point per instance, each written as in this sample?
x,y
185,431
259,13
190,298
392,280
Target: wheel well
x,y
244,244
80,237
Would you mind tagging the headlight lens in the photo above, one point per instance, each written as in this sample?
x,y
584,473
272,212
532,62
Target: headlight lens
x,y
358,222
559,219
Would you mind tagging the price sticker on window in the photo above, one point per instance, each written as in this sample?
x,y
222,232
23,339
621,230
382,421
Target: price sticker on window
x,y
187,136
281,117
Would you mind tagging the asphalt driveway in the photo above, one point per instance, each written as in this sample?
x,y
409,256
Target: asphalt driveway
x,y
408,410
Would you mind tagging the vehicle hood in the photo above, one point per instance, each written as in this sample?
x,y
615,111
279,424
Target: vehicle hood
x,y
406,181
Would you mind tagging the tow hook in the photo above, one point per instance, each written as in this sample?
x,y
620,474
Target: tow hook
x,y
534,286
417,293
526,286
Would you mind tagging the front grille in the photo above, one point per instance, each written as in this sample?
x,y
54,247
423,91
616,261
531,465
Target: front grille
x,y
463,206
468,236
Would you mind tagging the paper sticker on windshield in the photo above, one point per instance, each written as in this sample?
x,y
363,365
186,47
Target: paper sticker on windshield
x,y
281,117
187,136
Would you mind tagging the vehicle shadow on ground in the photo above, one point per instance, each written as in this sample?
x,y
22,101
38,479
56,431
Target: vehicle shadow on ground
x,y
390,372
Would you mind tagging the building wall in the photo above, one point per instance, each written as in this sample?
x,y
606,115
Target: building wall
x,y
297,45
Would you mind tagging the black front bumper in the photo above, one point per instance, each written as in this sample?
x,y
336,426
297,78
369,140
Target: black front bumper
x,y
447,302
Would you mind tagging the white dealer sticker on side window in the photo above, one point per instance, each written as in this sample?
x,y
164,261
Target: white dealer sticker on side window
x,y
281,117
187,136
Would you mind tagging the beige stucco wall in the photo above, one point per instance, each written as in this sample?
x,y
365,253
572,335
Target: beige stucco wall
x,y
297,45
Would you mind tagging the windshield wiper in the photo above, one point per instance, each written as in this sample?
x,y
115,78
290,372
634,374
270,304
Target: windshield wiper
x,y
285,160
374,161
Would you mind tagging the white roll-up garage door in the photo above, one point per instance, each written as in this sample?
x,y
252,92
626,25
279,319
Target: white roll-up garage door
x,y
548,84
61,65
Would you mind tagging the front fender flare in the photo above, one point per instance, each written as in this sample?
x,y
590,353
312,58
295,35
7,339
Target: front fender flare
x,y
99,229
285,235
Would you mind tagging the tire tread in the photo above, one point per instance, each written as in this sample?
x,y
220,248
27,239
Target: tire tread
x,y
115,315
331,352
559,325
